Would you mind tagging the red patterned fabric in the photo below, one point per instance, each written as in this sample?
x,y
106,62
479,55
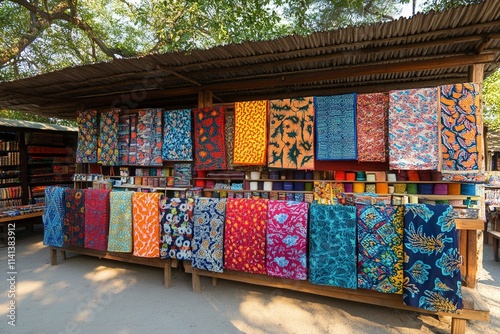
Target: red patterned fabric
x,y
209,144
371,123
245,235
74,225
96,218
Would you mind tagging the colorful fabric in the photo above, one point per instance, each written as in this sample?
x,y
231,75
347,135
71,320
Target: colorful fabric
x,y
132,151
86,151
336,127
149,143
371,125
286,247
53,216
96,218
291,133
124,139
120,222
229,137
461,127
413,129
74,217
432,262
323,192
209,144
380,248
332,245
146,224
157,141
176,228
108,138
245,235
177,142
250,132
208,234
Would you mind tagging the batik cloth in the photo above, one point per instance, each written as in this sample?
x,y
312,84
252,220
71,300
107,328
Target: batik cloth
x,y
176,228
108,138
229,137
157,141
53,216
413,129
336,127
432,262
124,139
286,247
291,133
146,224
149,141
461,127
96,218
86,151
132,151
323,192
371,125
120,237
250,132
74,217
332,245
209,143
177,142
380,248
208,234
245,235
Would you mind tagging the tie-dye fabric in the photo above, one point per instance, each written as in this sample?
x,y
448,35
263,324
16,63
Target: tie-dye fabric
x,y
149,141
432,262
176,228
332,245
96,218
208,234
245,235
177,142
120,237
209,143
371,124
380,248
461,127
250,133
291,133
86,151
108,138
53,216
146,224
286,247
413,129
124,139
74,217
229,137
336,127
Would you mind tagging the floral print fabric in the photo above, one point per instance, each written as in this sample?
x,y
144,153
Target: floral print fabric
x,y
120,222
245,235
176,225
413,129
286,248
250,132
332,245
291,133
371,124
461,127
146,224
53,216
380,248
74,217
132,150
432,262
149,143
229,137
86,151
124,139
96,218
209,143
208,234
177,142
108,138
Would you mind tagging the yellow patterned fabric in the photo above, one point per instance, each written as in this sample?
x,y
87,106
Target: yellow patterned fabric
x,y
250,135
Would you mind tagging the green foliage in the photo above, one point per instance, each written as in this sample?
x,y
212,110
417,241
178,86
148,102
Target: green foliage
x,y
491,101
34,118
439,5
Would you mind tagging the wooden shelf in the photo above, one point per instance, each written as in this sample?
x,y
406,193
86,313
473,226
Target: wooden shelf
x,y
440,197
132,186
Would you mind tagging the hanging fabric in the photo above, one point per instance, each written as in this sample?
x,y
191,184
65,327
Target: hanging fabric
x,y
96,218
120,237
124,139
371,125
177,142
132,153
74,217
229,138
209,143
108,138
250,132
53,216
176,228
88,126
146,224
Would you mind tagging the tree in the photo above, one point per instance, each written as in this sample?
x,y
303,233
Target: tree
x,y
491,101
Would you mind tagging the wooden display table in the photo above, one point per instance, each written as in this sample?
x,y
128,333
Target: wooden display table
x,y
26,220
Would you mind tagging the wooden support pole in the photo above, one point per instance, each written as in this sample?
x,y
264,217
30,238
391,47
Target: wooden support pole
x,y
458,326
53,257
471,258
196,281
167,274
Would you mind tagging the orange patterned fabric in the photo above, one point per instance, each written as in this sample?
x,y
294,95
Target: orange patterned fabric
x,y
250,135
146,221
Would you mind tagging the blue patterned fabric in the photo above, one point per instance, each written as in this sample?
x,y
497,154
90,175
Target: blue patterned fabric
x,y
176,228
177,142
53,217
380,248
332,245
432,270
336,127
208,234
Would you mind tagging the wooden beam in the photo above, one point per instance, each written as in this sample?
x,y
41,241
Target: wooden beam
x,y
476,73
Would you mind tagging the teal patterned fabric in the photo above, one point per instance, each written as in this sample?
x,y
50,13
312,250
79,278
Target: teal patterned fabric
x,y
177,142
332,245
120,222
53,217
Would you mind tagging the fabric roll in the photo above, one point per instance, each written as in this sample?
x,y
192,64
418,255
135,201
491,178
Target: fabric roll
x,y
468,189
209,142
323,192
348,187
108,138
74,218
53,216
177,138
370,177
120,237
176,228
358,187
370,188
425,188
96,218
454,188
432,262
86,151
382,188
208,234
400,188
360,176
250,132
146,224
391,177
411,188
380,248
286,236
371,125
340,175
413,175
332,245
441,189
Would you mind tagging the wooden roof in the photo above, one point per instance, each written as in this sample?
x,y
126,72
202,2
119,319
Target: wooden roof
x,y
421,51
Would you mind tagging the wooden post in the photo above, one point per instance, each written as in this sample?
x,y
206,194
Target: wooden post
x,y
458,326
196,281
53,257
471,258
167,274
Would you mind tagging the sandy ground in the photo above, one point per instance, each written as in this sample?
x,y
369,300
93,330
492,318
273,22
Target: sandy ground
x,y
89,295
